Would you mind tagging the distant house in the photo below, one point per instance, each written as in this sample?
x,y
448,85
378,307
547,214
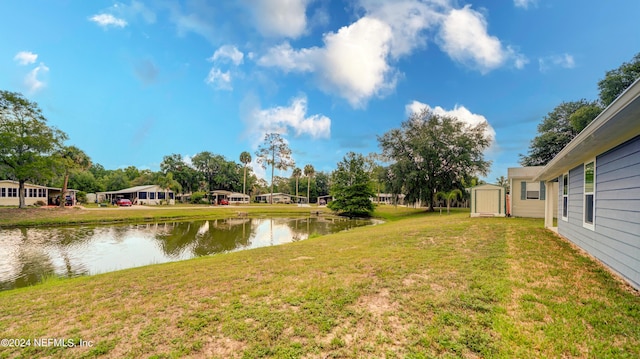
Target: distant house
x,y
598,179
388,198
33,194
527,196
277,198
232,197
147,194
488,200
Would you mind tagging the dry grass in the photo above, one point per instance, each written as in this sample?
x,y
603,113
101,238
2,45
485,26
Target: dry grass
x,y
424,286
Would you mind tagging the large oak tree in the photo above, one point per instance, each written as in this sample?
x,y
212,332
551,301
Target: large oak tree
x,y
431,153
27,143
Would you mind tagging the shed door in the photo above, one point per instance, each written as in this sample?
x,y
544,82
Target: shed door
x,y
487,201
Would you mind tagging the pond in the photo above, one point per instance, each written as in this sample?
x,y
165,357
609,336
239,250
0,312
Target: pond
x,y
29,254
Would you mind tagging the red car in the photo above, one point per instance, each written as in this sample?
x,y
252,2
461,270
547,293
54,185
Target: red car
x,y
224,202
123,202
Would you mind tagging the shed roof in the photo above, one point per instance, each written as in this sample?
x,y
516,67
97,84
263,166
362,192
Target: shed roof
x,y
618,123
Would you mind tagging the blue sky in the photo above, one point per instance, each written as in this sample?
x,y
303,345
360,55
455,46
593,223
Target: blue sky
x,y
133,81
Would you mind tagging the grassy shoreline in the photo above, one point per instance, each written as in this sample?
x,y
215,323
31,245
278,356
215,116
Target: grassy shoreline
x,y
15,217
421,285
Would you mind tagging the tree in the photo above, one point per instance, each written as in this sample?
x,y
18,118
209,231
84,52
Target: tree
x,y
297,172
209,165
275,152
432,153
245,158
309,171
71,158
584,116
449,196
186,175
503,181
554,133
351,187
618,80
27,143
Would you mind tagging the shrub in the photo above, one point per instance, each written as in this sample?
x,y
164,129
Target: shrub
x,y
196,197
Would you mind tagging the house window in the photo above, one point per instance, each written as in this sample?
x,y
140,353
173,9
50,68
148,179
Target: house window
x,y
565,196
170,195
533,190
13,192
42,193
3,192
142,195
152,195
589,193
161,195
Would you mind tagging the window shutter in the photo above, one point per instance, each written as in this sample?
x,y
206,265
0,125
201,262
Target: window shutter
x,y
543,190
523,190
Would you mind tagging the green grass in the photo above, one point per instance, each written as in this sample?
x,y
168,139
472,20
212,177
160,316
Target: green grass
x,y
418,286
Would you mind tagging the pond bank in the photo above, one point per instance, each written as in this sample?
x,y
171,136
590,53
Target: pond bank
x,y
16,217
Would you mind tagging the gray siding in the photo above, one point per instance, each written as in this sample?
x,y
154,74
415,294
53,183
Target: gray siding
x,y
615,239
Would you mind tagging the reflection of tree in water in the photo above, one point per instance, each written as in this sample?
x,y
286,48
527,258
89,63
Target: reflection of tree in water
x,y
179,236
223,235
323,225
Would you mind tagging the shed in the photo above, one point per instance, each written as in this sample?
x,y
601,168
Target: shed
x,y
488,200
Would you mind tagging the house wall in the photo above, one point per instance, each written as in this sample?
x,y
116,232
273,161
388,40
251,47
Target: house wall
x,y
615,239
531,208
15,201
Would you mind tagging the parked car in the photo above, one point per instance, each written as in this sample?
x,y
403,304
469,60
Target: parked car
x,y
224,202
123,202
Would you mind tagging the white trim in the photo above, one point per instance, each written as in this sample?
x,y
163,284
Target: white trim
x,y
585,224
562,216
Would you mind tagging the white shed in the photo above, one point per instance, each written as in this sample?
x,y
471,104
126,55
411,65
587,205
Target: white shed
x,y
488,200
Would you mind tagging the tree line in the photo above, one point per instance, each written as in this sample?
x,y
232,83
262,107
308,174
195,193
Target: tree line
x,y
568,119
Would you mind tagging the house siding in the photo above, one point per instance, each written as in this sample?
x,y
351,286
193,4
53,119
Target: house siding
x,y
615,239
532,208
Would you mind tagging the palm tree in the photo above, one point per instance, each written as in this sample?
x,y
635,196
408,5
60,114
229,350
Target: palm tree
x,y
309,171
449,196
71,157
297,172
245,158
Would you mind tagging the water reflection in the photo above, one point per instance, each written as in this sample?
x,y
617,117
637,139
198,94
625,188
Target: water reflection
x,y
29,254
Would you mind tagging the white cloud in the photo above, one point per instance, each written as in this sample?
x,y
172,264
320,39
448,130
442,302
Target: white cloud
x,y
353,61
524,3
357,61
280,18
284,119
565,61
464,37
228,52
408,20
288,59
459,112
218,79
106,20
25,57
32,81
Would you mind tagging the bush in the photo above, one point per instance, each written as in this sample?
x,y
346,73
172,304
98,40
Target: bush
x,y
81,196
196,197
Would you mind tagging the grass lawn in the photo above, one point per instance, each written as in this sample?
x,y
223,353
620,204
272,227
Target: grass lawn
x,y
419,286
